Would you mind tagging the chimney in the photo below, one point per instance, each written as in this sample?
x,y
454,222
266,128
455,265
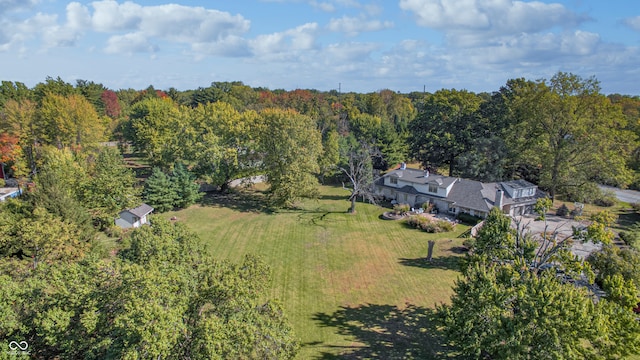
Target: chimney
x,y
499,198
403,166
426,173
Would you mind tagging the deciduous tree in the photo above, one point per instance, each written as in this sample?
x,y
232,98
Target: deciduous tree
x,y
573,133
110,187
445,129
69,121
356,165
164,297
291,146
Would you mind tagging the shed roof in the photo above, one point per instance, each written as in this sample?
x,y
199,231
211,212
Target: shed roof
x,y
141,210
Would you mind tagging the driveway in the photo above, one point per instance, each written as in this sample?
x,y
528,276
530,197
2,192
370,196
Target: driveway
x,y
563,227
628,196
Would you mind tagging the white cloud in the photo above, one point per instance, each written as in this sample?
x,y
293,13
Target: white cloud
x,y
204,29
633,22
110,16
230,46
352,26
323,6
350,52
13,5
133,27
129,44
467,22
78,16
284,43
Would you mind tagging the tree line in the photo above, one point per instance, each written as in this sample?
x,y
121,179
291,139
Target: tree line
x,y
562,134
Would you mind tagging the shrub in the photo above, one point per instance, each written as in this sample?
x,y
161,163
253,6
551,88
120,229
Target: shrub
x,y
444,226
113,231
469,243
468,219
562,210
631,236
575,212
400,209
636,207
428,207
416,221
586,193
607,198
428,225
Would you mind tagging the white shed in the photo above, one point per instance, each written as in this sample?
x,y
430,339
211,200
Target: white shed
x,y
133,218
9,192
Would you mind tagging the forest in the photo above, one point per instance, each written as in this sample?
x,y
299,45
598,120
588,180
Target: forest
x,y
159,295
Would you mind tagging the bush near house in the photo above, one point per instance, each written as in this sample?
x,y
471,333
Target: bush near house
x,y
429,225
468,219
562,210
401,209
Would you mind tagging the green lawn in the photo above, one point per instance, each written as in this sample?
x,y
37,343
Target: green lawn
x,y
354,285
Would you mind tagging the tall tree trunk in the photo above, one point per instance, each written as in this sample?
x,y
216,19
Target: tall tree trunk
x,y
452,161
352,209
432,243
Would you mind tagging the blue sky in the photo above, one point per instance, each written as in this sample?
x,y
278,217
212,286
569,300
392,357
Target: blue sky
x,y
365,46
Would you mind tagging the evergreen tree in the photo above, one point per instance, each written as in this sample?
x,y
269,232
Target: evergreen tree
x,y
187,189
159,191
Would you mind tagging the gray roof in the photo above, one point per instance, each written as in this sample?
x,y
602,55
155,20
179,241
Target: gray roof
x,y
409,190
416,176
468,194
141,210
518,184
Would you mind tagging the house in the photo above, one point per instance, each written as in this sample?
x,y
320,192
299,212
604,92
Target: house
x,y
455,195
9,192
133,218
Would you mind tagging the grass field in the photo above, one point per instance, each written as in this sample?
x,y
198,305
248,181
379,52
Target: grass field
x,y
351,284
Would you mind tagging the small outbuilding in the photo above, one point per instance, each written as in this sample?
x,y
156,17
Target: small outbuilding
x,y
133,218
9,192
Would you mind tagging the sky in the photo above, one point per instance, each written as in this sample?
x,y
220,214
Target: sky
x,y
346,45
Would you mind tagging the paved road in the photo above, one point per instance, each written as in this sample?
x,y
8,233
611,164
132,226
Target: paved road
x,y
629,196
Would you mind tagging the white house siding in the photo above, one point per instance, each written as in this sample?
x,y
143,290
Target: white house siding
x,y
128,220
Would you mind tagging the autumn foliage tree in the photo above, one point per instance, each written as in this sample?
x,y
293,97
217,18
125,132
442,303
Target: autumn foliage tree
x,y
11,155
111,104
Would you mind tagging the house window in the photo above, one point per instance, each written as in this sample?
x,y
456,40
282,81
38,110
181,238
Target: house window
x,y
433,188
452,210
393,180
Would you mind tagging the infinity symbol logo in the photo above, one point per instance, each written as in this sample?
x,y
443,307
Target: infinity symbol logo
x,y
22,345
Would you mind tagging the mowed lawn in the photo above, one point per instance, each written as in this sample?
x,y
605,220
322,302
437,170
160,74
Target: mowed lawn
x,y
351,284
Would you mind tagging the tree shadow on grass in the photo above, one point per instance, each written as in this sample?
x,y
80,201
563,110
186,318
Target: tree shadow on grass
x,y
440,262
318,217
626,218
385,332
243,201
345,197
